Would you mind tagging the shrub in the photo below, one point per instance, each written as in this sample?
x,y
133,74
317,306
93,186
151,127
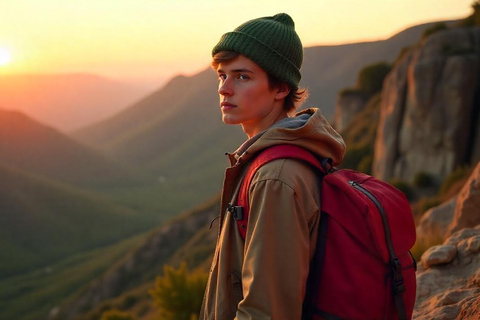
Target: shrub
x,y
404,187
116,315
179,294
474,19
433,29
355,155
370,78
424,204
454,180
365,165
423,180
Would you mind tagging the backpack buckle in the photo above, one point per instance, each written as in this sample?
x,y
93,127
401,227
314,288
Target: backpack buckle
x,y
397,283
236,211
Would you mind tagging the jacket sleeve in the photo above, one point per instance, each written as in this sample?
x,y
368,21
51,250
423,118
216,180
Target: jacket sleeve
x,y
277,250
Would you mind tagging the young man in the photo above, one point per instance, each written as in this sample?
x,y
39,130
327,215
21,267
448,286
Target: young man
x,y
264,275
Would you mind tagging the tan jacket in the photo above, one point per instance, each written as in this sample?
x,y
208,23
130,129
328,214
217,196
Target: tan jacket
x,y
264,276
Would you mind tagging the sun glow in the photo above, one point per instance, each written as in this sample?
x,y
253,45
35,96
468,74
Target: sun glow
x,y
5,57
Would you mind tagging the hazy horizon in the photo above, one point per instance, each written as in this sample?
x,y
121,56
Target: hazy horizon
x,y
150,42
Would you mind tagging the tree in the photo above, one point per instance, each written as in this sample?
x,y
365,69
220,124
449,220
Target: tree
x,y
179,294
476,13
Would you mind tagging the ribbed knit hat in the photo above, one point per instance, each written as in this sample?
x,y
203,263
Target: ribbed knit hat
x,y
271,42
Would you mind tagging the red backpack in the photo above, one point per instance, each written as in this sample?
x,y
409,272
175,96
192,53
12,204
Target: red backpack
x,y
362,267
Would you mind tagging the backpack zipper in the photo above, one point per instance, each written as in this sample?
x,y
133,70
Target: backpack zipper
x,y
380,208
397,277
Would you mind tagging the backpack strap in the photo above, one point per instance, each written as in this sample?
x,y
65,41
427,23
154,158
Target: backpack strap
x,y
283,151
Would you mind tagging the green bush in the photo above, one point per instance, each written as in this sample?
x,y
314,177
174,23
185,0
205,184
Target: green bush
x,y
365,165
179,294
427,203
370,78
433,29
355,156
404,187
423,180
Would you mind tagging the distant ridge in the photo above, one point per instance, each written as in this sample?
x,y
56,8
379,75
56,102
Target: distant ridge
x,y
34,147
66,101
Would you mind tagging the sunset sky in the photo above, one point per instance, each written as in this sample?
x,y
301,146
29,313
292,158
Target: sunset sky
x,y
152,40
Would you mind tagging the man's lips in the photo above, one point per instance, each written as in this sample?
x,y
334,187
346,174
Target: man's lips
x,y
227,105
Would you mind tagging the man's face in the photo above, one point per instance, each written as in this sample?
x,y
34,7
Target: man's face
x,y
245,95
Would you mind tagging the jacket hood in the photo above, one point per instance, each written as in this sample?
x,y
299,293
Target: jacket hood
x,y
307,129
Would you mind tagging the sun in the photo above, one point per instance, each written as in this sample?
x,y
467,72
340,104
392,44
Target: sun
x,y
5,56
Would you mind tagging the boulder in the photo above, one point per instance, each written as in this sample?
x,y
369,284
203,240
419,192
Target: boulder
x,y
434,224
467,210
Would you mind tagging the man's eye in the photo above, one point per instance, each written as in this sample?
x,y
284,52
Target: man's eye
x,y
222,77
242,77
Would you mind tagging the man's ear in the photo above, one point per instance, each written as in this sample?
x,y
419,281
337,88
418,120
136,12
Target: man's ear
x,y
282,91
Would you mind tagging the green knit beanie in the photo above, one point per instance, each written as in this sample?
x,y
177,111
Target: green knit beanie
x,y
271,42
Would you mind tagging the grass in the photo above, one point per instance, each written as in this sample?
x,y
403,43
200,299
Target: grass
x,y
32,296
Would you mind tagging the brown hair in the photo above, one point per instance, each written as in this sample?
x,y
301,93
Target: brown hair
x,y
292,101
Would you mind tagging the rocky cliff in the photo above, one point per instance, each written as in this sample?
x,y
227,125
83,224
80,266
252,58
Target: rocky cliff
x,y
448,278
430,112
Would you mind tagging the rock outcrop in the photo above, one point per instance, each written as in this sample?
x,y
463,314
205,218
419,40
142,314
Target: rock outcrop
x,y
349,104
430,108
467,210
448,279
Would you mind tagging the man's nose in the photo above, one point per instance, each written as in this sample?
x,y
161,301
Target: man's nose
x,y
225,88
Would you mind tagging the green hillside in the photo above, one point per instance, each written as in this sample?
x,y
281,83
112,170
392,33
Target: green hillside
x,y
43,221
31,146
34,295
185,238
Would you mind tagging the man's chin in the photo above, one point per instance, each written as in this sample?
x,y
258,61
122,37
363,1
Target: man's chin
x,y
229,120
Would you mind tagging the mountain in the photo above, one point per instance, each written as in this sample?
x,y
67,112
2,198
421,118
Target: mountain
x,y
43,221
67,101
33,147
